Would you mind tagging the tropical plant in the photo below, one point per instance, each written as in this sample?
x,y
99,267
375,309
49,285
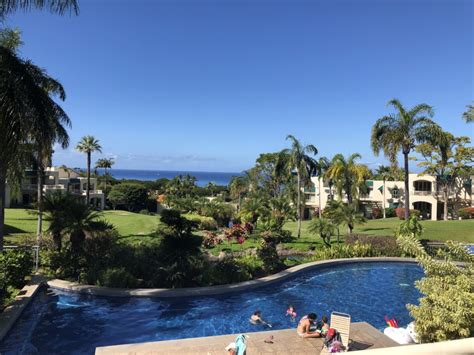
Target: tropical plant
x,y
347,214
469,114
88,145
129,195
300,161
402,131
30,119
348,176
411,226
238,186
322,167
450,159
105,163
385,173
324,227
448,290
54,6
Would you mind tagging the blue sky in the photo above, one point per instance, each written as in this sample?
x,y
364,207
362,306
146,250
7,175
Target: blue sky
x,y
207,85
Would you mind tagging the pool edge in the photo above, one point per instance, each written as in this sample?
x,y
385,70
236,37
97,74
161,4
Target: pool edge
x,y
212,290
13,311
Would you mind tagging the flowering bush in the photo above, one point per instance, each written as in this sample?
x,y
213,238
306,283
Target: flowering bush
x,y
400,212
376,213
211,239
238,232
466,213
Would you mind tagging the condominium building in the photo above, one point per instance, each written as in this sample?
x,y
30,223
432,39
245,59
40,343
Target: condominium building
x,y
54,179
425,195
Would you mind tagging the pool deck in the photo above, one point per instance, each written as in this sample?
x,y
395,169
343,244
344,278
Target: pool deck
x,y
363,336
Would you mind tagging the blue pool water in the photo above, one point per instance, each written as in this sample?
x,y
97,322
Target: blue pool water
x,y
65,323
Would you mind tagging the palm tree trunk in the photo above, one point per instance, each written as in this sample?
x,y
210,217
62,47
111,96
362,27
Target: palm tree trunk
x,y
407,186
445,193
88,176
319,191
105,177
240,196
383,203
39,227
298,206
3,185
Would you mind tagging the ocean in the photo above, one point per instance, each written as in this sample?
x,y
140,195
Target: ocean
x,y
203,177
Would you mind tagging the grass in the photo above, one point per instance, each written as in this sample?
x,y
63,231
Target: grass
x,y
134,227
462,231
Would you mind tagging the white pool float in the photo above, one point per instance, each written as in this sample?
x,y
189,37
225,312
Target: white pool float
x,y
399,335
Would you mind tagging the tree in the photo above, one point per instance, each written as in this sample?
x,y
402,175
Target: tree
x,y
450,159
469,114
88,145
322,167
105,163
348,175
54,6
300,160
132,196
348,214
29,117
447,288
401,132
238,186
324,228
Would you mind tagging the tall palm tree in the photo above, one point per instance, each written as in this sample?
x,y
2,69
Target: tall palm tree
x,y
304,165
348,175
238,186
54,6
385,172
29,117
401,132
105,163
88,145
469,114
321,169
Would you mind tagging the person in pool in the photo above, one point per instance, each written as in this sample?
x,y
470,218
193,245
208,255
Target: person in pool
x,y
256,318
304,327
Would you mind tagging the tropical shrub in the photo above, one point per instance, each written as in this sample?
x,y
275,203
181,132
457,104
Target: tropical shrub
x,y
252,264
202,222
446,311
380,245
377,213
400,212
324,227
211,239
117,277
221,212
390,212
15,266
466,213
356,250
226,271
267,252
131,196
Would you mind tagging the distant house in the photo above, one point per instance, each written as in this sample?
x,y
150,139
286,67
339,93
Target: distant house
x,y
55,179
425,195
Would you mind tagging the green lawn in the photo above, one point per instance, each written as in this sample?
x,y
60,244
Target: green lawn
x,y
462,231
134,227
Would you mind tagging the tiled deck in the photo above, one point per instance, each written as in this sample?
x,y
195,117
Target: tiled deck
x,y
363,336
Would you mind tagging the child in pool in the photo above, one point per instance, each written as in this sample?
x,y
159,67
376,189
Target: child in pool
x,y
291,312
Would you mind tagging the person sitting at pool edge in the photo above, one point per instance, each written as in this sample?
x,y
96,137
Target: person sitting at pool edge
x,y
304,325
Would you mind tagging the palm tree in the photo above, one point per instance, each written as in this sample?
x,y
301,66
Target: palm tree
x,y
29,118
401,132
385,172
347,214
469,114
323,165
324,227
304,165
105,163
238,186
88,145
55,206
348,175
54,6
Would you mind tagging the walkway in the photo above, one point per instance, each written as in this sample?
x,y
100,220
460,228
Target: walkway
x,y
363,336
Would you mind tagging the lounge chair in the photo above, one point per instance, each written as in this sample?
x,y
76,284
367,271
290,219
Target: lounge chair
x,y
342,323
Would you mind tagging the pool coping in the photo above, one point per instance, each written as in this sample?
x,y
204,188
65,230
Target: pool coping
x,y
213,290
14,310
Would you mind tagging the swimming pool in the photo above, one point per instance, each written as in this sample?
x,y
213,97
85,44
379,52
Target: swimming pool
x,y
59,322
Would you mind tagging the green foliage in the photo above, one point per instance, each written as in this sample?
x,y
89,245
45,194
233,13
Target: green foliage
x,y
221,212
130,196
380,245
357,250
202,222
324,227
267,252
466,213
117,277
227,271
446,312
15,266
412,227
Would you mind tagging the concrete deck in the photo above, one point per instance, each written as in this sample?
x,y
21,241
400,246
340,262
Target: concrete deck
x,y
363,336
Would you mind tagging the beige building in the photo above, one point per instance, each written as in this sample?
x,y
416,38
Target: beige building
x,y
55,179
425,195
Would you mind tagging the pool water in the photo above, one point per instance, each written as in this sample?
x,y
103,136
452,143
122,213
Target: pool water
x,y
65,323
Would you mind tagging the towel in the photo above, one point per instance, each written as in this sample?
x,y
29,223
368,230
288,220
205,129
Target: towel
x,y
241,344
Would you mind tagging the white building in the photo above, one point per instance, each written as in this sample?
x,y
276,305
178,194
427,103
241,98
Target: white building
x,y
55,179
425,195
